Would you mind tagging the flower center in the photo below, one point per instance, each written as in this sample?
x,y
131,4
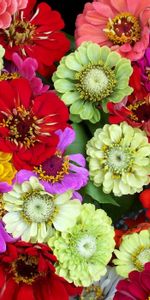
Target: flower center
x,y
9,76
38,207
124,28
86,246
141,257
117,159
92,292
95,82
25,269
22,127
140,111
54,168
19,32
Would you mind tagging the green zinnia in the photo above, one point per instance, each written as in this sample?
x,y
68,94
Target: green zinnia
x,y
133,254
119,159
84,251
90,77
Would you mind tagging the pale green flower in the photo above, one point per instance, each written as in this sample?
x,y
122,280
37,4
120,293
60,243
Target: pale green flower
x,y
34,214
90,77
133,253
85,249
119,159
2,52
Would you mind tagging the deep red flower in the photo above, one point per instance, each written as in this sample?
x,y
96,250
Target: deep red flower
x,y
27,124
36,34
145,200
136,287
27,272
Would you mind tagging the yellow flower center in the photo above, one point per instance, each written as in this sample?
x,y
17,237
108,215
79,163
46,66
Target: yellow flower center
x,y
92,292
140,111
9,76
54,168
124,28
20,32
22,127
140,257
7,171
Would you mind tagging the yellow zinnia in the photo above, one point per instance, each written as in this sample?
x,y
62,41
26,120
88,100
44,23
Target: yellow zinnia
x,y
7,170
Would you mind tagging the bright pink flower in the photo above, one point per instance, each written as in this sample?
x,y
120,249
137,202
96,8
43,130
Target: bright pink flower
x,y
27,68
119,24
8,8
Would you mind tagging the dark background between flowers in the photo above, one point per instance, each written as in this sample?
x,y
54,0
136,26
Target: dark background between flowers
x,y
69,10
116,207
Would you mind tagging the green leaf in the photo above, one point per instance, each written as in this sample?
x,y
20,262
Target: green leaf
x,y
79,145
98,195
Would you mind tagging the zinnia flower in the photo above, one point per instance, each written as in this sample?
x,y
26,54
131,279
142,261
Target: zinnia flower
x,y
27,124
119,159
4,238
60,172
145,200
27,272
24,68
9,8
34,214
103,289
133,253
7,170
122,25
137,286
135,112
84,250
91,77
36,35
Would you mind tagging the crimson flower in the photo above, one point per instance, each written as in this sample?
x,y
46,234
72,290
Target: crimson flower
x,y
27,272
28,124
134,109
136,287
36,34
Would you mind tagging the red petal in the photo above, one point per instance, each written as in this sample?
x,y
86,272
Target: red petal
x,y
23,92
10,289
25,292
145,198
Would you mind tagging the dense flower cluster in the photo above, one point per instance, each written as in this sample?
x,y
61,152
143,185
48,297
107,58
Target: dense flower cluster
x,y
75,152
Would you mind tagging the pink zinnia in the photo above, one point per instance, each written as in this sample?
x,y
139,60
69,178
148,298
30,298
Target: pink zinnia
x,y
8,8
122,25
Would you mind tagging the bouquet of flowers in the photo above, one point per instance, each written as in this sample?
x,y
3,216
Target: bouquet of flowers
x,y
75,152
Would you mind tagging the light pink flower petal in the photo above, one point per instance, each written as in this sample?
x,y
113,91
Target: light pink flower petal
x,y
95,18
12,7
145,16
5,20
133,6
125,48
3,7
22,4
103,10
119,5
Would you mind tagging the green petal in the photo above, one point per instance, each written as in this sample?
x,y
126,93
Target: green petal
x,y
112,59
93,52
96,116
70,97
77,107
81,56
124,69
87,111
63,85
72,63
104,53
64,72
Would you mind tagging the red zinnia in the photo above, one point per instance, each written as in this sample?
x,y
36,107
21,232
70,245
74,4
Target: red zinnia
x,y
27,272
136,287
28,124
36,35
